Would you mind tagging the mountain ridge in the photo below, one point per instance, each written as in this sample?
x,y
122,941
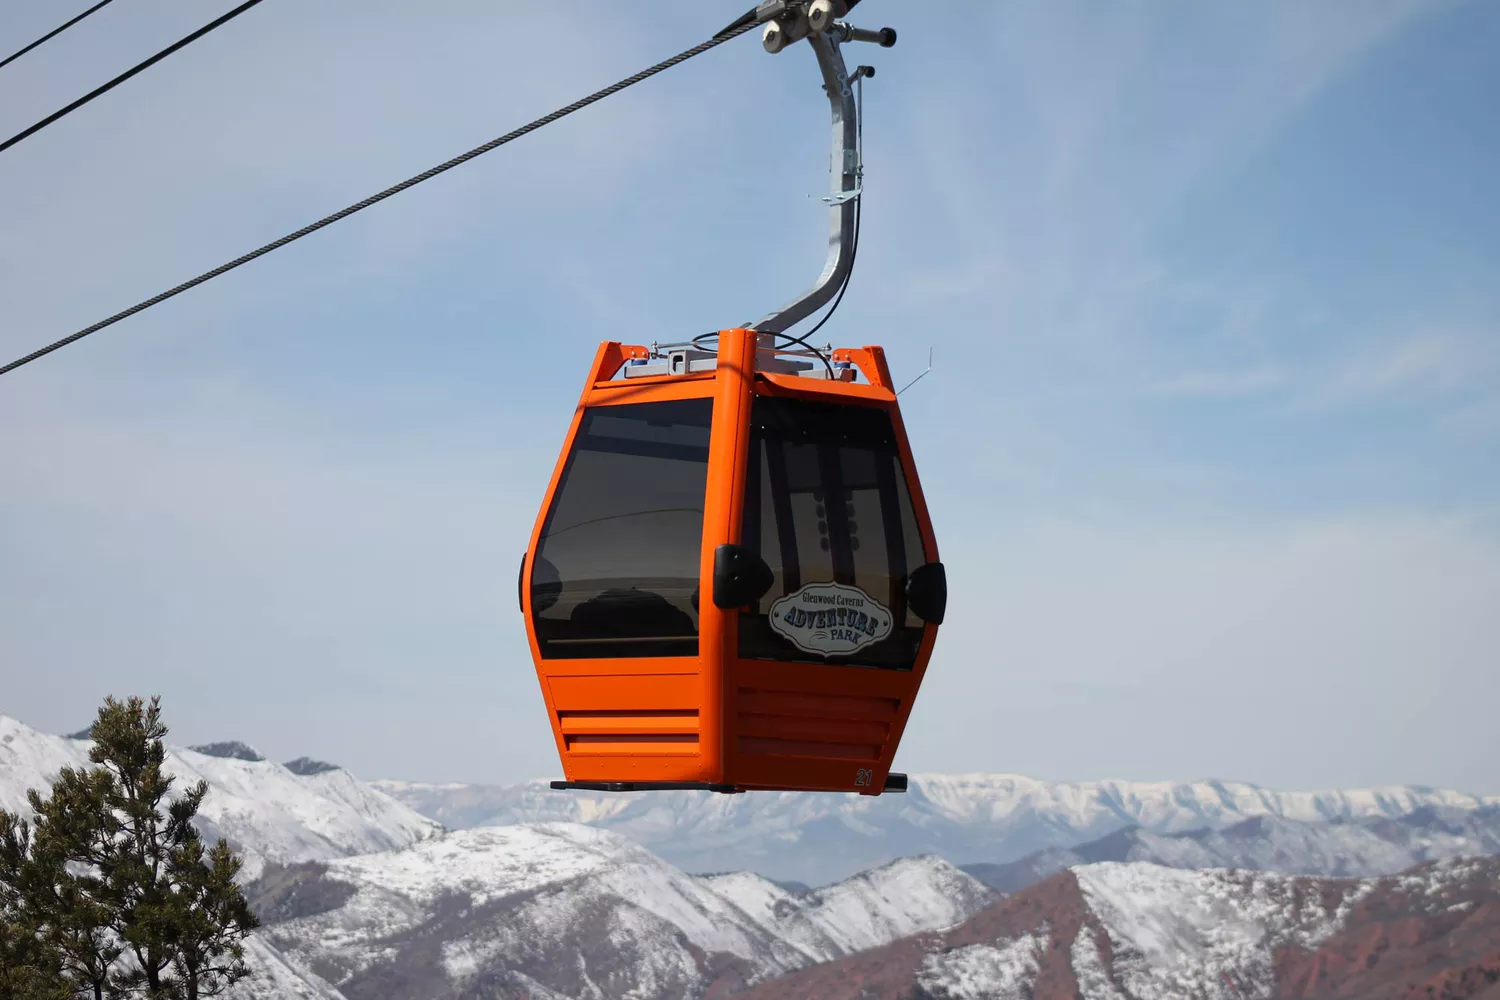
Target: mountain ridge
x,y
364,899
818,838
266,811
568,910
1366,847
1138,931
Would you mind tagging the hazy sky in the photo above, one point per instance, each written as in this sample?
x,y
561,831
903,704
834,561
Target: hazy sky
x,y
1212,441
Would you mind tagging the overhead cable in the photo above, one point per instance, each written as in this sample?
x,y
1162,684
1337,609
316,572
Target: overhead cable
x,y
55,31
180,43
741,26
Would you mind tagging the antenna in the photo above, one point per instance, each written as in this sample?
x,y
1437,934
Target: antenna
x,y
919,377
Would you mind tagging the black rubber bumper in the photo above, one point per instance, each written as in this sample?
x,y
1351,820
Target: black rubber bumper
x,y
642,786
894,782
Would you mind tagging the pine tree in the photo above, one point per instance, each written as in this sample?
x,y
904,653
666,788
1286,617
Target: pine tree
x,y
181,917
132,864
113,893
210,918
30,967
74,825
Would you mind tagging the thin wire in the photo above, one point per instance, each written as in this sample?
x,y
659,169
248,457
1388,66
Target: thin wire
x,y
714,335
728,33
180,43
859,146
55,31
843,286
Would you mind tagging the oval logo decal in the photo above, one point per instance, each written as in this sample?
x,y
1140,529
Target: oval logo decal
x,y
830,619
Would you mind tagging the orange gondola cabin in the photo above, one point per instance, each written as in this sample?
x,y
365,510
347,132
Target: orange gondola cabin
x,y
733,583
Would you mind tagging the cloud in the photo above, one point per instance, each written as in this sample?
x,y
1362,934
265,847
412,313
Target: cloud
x,y
1222,384
1422,365
1288,654
1478,418
305,488
335,589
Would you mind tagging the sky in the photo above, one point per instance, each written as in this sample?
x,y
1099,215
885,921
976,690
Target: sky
x,y
1211,439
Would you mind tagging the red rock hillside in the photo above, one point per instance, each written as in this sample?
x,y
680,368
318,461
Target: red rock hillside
x,y
1134,931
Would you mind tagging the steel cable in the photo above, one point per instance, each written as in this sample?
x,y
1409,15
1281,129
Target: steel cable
x,y
734,30
138,67
54,32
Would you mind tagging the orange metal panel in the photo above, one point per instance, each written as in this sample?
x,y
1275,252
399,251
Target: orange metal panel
x,y
623,745
799,750
822,678
625,692
716,718
870,364
610,353
615,722
775,384
722,507
644,766
623,667
650,390
783,727
610,356
811,774
817,706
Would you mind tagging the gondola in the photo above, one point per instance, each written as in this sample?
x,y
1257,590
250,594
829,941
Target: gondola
x,y
733,583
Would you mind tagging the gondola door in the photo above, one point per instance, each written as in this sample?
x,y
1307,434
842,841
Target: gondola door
x,y
826,664
611,591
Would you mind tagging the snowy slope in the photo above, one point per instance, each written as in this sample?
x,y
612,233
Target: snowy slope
x,y
1192,933
965,818
274,978
984,971
266,811
1370,846
580,912
870,909
896,900
1139,931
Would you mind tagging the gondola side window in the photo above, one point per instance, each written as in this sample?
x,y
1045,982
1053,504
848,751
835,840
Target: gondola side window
x,y
828,508
617,565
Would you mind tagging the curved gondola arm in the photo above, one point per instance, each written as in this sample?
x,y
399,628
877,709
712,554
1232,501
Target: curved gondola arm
x,y
845,166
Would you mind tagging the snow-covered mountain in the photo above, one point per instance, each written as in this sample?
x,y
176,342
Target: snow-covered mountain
x,y
267,812
818,838
545,896
1138,931
562,910
1369,846
274,977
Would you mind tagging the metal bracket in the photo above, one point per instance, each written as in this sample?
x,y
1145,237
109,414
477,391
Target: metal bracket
x,y
677,360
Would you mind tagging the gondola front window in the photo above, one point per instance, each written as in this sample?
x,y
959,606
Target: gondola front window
x,y
617,565
827,506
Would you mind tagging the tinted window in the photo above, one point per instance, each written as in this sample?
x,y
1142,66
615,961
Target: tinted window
x,y
618,558
827,501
